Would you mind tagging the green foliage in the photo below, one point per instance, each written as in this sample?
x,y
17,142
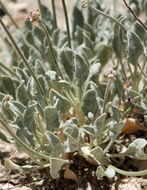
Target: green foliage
x,y
75,89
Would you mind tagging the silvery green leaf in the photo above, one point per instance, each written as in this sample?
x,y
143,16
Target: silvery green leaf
x,y
88,44
28,117
38,35
99,126
65,104
99,155
56,165
31,86
59,37
43,82
57,147
39,68
103,52
30,38
16,107
116,42
78,19
47,17
100,173
115,129
22,74
8,85
94,72
135,47
136,149
67,59
52,118
90,31
21,94
72,143
9,115
110,173
89,103
140,31
81,70
116,113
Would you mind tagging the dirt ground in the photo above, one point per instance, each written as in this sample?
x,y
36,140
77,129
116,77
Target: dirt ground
x,y
85,172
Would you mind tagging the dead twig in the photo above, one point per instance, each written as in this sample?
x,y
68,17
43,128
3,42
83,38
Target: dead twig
x,y
135,15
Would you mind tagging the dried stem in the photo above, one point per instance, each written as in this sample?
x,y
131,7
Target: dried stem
x,y
107,16
135,15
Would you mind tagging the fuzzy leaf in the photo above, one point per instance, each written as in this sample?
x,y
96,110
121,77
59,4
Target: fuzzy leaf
x,y
22,74
89,103
39,68
136,149
8,85
67,59
52,118
115,129
81,70
78,19
21,94
135,47
28,117
99,155
98,127
72,143
16,107
56,145
65,104
100,173
56,165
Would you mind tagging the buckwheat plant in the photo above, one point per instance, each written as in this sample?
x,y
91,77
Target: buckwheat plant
x,y
68,91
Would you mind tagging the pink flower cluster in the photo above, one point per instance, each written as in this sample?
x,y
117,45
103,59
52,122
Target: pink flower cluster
x,y
34,15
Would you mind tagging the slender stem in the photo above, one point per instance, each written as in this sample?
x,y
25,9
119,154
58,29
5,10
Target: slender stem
x,y
67,23
54,13
106,94
23,58
50,46
135,15
107,16
9,15
7,69
20,142
126,173
40,8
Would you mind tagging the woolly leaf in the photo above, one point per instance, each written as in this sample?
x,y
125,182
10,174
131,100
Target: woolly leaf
x,y
135,47
21,94
136,149
56,165
89,103
52,118
56,145
8,85
98,127
65,104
